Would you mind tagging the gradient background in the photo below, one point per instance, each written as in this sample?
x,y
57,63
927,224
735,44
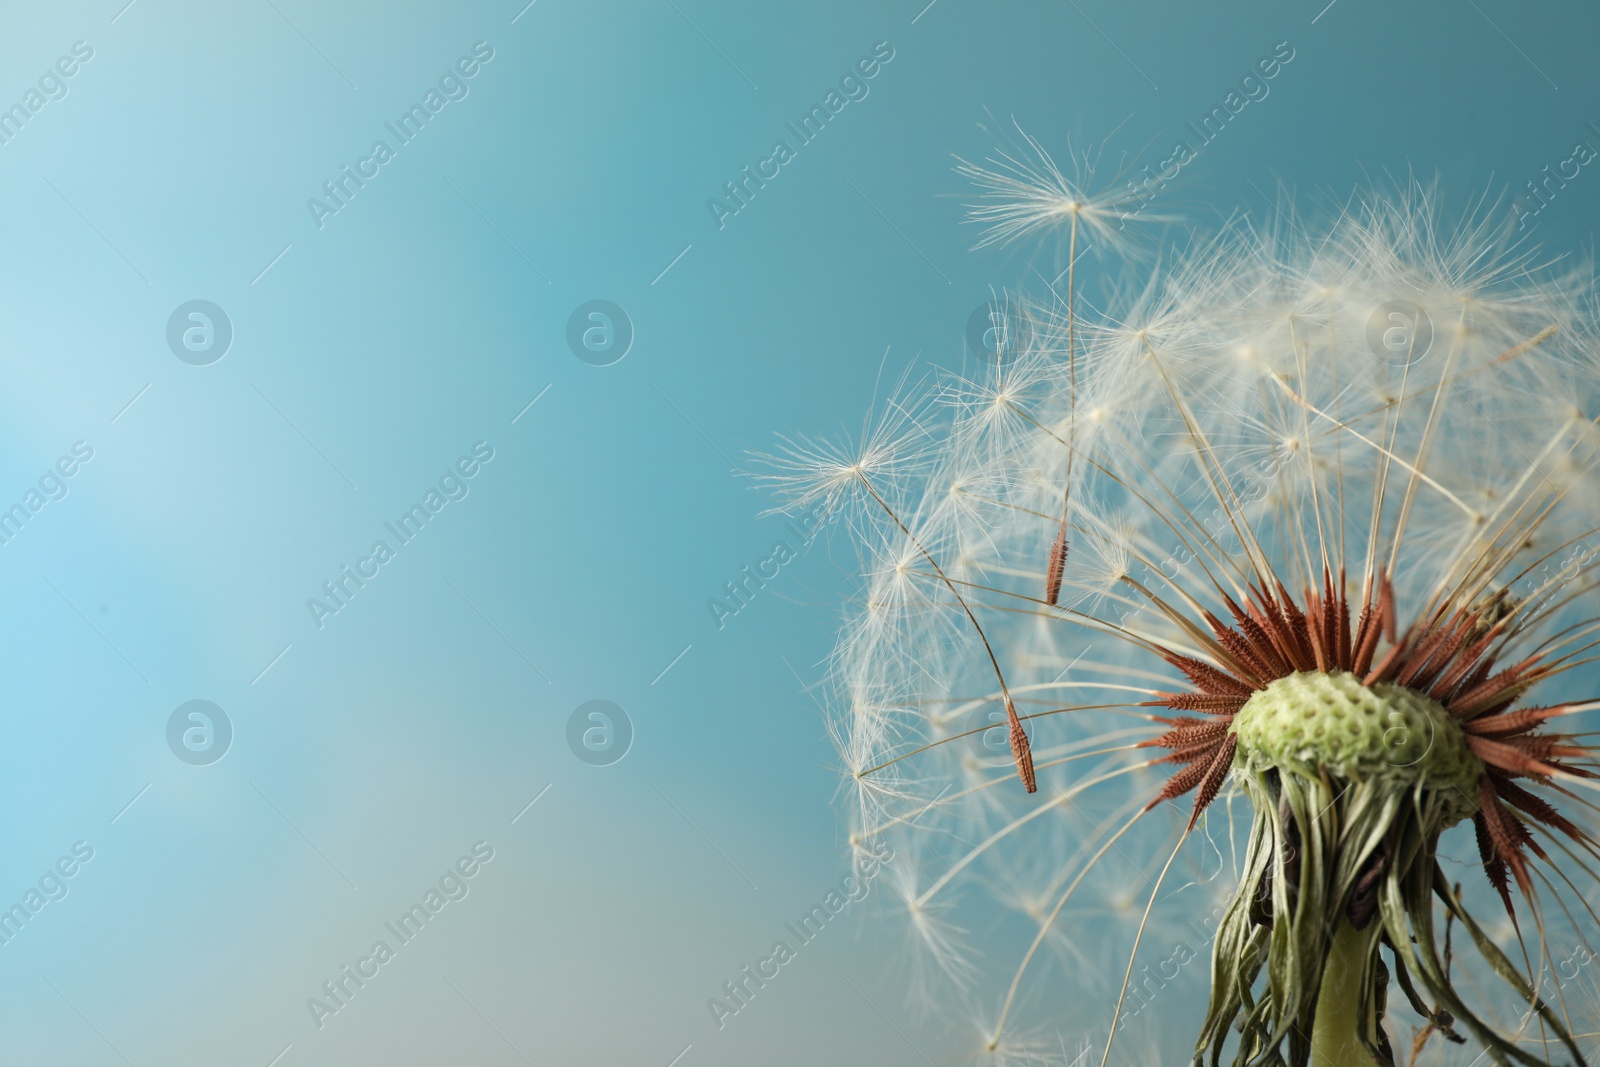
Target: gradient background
x,y
371,753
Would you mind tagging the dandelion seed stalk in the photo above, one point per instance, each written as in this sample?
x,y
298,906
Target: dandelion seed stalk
x,y
1336,1039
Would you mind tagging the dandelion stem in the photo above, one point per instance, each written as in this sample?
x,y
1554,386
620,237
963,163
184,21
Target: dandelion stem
x,y
1334,1038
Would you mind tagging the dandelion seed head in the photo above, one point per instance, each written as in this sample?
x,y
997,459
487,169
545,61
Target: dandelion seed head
x,y
1361,446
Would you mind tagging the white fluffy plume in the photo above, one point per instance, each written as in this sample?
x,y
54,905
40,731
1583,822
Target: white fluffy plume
x,y
1370,393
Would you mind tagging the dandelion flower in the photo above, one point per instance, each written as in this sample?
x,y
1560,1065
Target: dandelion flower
x,y
1275,585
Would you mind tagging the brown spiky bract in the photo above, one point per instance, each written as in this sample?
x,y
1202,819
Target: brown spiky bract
x,y
1449,658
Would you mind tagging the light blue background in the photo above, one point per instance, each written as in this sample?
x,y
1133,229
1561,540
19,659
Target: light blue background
x,y
378,349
